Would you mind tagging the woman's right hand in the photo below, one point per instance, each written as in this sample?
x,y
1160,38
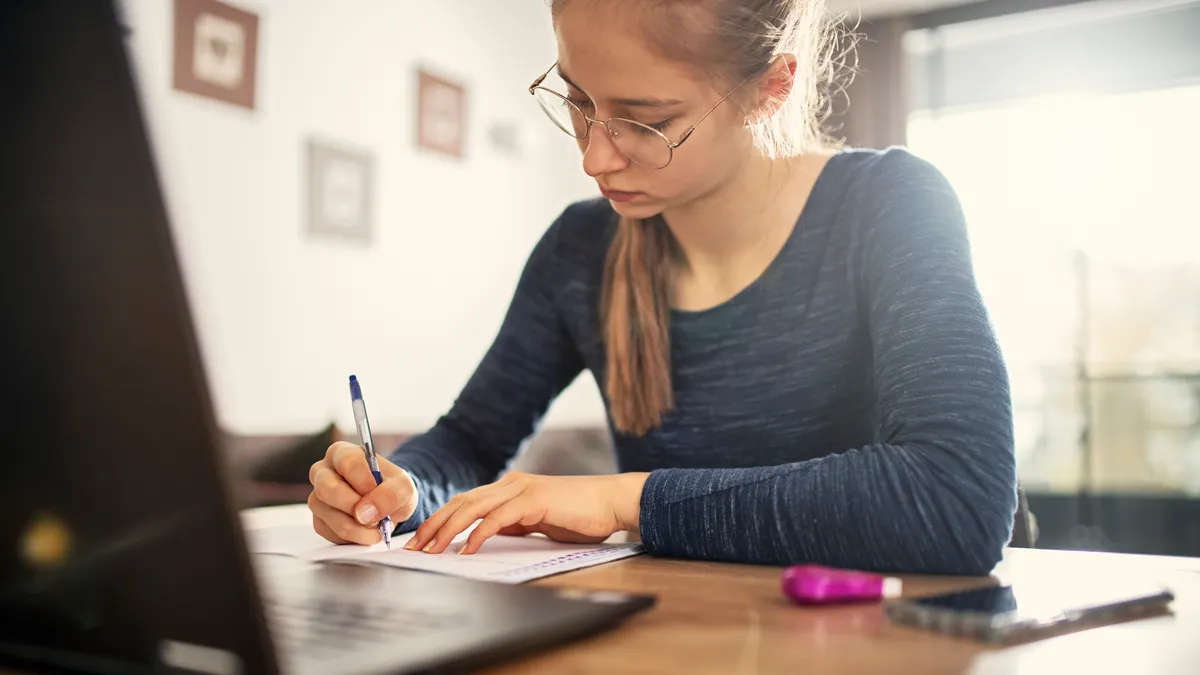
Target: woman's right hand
x,y
346,503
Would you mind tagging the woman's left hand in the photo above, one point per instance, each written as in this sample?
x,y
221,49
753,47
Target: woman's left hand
x,y
578,509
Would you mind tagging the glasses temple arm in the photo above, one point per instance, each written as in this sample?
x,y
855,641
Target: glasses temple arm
x,y
687,134
542,77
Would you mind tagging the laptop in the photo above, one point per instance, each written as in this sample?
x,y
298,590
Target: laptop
x,y
121,551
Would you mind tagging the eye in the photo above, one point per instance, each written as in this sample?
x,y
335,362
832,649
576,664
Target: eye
x,y
657,126
581,103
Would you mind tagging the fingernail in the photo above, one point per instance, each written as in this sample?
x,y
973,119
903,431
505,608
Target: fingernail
x,y
366,514
429,547
411,544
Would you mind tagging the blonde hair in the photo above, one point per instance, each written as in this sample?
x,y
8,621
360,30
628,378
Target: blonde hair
x,y
736,40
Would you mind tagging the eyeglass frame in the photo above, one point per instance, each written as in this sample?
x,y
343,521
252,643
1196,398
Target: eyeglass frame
x,y
537,84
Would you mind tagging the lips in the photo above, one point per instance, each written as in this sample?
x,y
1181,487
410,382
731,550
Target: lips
x,y
619,195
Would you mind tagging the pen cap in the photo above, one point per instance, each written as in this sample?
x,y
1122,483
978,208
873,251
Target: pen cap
x,y
814,584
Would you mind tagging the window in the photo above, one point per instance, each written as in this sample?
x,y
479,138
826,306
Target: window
x,y
1085,231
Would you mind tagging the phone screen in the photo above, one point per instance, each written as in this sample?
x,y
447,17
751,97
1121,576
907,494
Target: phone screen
x,y
998,612
991,600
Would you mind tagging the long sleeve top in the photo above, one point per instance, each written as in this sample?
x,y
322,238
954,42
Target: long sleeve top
x,y
850,407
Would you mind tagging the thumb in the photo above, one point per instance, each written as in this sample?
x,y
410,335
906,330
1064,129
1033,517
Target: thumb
x,y
396,496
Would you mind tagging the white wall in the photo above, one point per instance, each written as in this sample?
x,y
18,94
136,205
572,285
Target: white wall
x,y
284,318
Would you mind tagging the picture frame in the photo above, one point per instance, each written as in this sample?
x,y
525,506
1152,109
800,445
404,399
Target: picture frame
x,y
441,115
216,51
340,190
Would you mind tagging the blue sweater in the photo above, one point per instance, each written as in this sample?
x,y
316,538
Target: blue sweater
x,y
849,408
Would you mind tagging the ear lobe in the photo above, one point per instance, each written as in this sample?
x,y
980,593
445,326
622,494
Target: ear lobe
x,y
775,89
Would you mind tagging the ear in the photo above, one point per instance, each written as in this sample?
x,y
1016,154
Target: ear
x,y
774,87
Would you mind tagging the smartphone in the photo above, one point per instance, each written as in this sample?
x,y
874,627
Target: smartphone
x,y
1016,613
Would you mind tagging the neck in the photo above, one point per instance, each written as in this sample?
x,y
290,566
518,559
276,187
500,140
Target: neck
x,y
742,225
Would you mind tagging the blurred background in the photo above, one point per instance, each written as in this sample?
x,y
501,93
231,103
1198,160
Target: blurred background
x,y
355,187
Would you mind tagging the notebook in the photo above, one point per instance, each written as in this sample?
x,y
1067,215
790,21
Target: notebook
x,y
511,560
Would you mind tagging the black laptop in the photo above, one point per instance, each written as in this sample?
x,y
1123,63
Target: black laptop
x,y
121,552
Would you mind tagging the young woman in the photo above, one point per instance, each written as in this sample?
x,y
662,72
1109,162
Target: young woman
x,y
794,356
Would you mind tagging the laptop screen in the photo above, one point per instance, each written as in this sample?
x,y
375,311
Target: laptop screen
x,y
121,552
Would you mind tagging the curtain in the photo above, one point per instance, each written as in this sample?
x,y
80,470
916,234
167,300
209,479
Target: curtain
x,y
876,112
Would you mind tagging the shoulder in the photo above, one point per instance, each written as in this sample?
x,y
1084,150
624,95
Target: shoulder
x,y
572,249
899,201
581,233
888,178
585,225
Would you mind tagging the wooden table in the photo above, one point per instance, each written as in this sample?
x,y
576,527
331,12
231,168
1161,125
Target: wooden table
x,y
732,619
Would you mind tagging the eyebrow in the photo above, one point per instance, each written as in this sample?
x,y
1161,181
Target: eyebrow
x,y
629,102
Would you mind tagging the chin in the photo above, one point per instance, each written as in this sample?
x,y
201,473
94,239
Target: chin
x,y
639,209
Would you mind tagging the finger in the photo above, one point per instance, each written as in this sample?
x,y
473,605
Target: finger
x,y
395,497
424,535
436,533
426,531
343,525
326,461
330,488
517,530
423,538
513,512
351,464
390,470
316,467
324,530
483,503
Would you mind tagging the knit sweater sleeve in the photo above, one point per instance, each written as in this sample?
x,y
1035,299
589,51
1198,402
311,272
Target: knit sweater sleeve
x,y
936,492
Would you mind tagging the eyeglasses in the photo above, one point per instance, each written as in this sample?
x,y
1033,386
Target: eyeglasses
x,y
640,143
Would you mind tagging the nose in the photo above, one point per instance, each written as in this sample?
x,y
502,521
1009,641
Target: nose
x,y
600,156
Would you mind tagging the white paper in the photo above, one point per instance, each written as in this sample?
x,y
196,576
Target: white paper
x,y
501,558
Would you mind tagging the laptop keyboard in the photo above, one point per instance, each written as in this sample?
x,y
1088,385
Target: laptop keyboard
x,y
322,627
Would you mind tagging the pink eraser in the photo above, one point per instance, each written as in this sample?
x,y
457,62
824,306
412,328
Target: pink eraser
x,y
817,585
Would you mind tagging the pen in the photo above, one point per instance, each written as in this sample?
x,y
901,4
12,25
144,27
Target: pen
x,y
364,439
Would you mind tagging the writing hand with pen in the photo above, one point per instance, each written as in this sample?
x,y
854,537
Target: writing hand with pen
x,y
347,505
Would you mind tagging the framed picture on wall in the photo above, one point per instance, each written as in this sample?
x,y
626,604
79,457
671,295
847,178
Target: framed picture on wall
x,y
216,51
340,191
441,115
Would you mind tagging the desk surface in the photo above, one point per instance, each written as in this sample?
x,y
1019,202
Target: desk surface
x,y
721,618
732,619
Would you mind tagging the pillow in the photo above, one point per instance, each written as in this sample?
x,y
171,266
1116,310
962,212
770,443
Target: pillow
x,y
290,462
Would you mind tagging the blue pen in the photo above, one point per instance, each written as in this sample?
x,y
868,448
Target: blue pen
x,y
364,439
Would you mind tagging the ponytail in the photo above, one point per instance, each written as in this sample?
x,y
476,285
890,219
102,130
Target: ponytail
x,y
635,310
